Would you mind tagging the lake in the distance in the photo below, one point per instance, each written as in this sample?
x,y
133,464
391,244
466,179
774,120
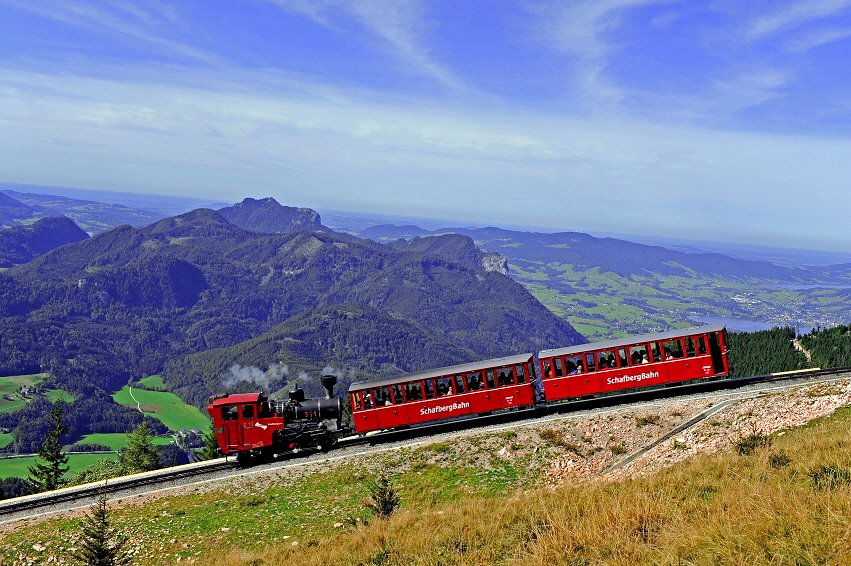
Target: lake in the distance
x,y
736,324
797,287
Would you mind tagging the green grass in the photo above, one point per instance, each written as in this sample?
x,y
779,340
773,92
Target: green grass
x,y
6,439
10,399
117,440
168,408
153,382
56,394
17,467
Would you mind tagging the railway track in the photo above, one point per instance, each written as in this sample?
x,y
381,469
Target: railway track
x,y
66,499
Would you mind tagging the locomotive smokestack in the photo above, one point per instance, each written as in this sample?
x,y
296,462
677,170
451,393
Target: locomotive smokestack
x,y
328,382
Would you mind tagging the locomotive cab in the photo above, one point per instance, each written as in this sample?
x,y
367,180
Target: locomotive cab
x,y
246,423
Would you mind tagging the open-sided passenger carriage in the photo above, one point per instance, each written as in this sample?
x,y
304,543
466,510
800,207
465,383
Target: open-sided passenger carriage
x,y
478,387
637,361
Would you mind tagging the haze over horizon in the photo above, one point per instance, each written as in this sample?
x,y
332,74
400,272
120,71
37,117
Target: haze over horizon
x,y
717,122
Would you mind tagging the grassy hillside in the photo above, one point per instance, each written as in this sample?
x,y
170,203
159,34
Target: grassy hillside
x,y
116,441
18,467
166,407
784,500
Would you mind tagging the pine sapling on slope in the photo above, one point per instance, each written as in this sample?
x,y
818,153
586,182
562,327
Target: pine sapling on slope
x,y
101,544
140,454
48,476
383,499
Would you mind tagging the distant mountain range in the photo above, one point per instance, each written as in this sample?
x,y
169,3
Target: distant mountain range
x,y
189,296
620,257
263,295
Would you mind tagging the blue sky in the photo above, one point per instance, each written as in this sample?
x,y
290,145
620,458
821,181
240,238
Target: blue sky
x,y
721,120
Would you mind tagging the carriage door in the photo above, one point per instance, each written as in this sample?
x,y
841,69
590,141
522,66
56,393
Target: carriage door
x,y
715,352
232,428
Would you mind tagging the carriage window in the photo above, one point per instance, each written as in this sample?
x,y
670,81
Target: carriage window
x,y
474,381
606,359
656,350
489,379
356,402
673,349
382,397
622,356
690,347
638,355
521,374
369,399
248,411
397,394
444,386
414,391
589,360
429,389
459,384
548,370
504,376
230,413
559,368
574,365
701,345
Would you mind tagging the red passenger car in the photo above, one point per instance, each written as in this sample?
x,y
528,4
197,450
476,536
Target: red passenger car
x,y
637,361
423,396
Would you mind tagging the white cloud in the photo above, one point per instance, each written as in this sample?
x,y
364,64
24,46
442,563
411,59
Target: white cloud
x,y
123,20
401,25
795,15
818,38
579,29
359,151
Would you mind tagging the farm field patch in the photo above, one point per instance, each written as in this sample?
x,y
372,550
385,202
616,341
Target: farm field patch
x,y
11,398
117,440
18,467
153,382
166,407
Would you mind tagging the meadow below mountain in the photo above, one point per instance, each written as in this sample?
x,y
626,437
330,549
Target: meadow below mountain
x,y
609,288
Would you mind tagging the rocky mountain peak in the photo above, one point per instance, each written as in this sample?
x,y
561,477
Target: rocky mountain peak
x,y
268,215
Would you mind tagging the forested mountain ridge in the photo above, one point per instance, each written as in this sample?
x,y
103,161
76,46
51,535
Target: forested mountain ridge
x,y
21,244
455,247
609,287
130,302
352,341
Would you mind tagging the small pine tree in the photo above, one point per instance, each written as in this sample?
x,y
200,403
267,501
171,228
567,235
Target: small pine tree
x,y
101,544
211,449
383,499
48,476
140,454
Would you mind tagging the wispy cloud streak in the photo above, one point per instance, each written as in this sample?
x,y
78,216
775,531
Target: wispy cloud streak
x,y
401,26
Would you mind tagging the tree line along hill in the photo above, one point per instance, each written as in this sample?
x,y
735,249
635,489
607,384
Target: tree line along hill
x,y
189,297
